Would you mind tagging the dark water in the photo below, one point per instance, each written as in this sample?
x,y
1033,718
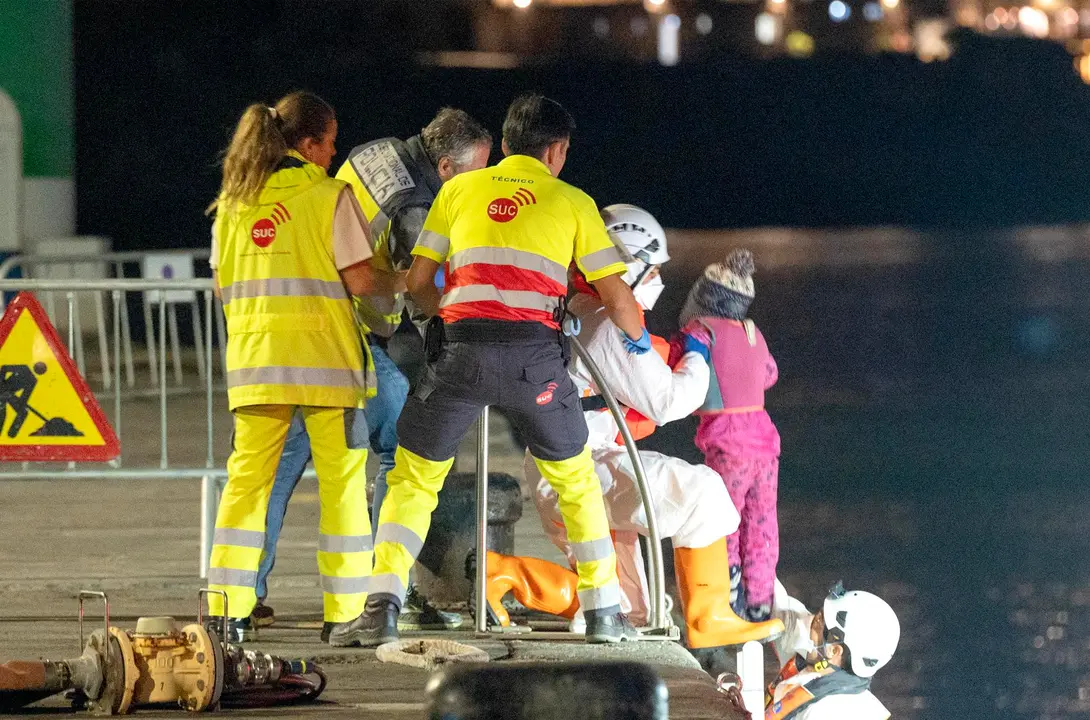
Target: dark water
x,y
934,403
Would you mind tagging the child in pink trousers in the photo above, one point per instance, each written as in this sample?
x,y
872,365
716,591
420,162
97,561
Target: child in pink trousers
x,y
736,435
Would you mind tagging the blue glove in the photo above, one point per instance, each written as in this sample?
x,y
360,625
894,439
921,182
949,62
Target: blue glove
x,y
637,347
440,278
691,344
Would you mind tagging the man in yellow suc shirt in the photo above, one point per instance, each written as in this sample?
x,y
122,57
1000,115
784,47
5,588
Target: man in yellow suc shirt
x,y
505,237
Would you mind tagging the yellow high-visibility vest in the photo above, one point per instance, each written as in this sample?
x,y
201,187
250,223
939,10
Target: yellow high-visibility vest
x,y
380,314
292,335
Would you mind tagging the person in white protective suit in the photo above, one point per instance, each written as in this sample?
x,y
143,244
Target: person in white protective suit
x,y
831,656
691,504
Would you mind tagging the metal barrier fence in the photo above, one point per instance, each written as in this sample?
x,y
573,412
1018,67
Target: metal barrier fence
x,y
113,266
114,294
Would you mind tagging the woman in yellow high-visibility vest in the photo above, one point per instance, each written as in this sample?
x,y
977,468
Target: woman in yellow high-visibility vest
x,y
290,248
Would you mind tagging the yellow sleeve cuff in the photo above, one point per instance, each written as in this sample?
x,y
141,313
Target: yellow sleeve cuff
x,y
433,255
614,269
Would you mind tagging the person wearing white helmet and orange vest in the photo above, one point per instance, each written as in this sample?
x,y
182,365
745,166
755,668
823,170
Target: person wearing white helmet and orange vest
x,y
691,504
831,656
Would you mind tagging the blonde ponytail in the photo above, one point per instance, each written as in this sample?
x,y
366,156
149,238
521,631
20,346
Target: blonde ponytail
x,y
264,134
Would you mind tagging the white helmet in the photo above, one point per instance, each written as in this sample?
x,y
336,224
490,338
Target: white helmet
x,y
636,232
866,625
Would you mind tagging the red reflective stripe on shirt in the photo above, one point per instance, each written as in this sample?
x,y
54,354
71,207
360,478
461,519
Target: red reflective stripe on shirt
x,y
505,277
492,310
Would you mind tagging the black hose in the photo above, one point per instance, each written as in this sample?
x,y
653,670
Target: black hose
x,y
291,689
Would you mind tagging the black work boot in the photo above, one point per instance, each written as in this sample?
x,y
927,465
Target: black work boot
x,y
377,624
327,627
610,628
239,630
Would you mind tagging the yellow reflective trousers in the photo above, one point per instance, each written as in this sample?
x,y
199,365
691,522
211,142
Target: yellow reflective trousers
x,y
344,542
412,495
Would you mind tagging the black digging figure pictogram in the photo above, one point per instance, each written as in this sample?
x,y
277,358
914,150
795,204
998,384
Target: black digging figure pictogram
x,y
17,382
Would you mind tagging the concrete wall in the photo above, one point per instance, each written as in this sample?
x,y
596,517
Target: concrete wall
x,y
36,72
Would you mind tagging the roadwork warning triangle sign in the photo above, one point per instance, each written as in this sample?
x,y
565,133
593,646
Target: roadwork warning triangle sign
x,y
47,412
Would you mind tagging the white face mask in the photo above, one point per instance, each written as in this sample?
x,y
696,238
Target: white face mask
x,y
647,292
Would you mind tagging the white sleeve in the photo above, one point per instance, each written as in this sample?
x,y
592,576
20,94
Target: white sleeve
x,y
796,622
645,382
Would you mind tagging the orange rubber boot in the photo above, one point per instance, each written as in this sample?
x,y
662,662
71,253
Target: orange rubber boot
x,y
703,580
537,584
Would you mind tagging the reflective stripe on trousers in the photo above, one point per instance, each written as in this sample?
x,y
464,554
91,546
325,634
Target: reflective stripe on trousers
x,y
344,546
584,512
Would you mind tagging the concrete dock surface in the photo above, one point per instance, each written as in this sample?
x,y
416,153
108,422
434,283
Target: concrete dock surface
x,y
137,540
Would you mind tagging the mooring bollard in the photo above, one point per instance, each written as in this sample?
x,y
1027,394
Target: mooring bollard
x,y
562,691
441,566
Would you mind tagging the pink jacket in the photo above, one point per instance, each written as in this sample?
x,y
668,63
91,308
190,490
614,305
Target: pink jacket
x,y
733,418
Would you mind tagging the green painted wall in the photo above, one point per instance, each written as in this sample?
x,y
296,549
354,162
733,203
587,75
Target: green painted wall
x,y
36,70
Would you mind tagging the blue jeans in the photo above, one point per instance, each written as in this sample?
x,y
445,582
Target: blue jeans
x,y
382,412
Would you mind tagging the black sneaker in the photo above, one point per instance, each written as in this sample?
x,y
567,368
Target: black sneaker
x,y
327,627
610,628
377,624
737,592
262,616
758,613
239,630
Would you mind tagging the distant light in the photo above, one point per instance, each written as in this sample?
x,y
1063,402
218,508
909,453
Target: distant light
x,y
991,22
654,6
839,11
638,26
668,39
777,2
891,3
1083,63
799,44
1000,15
1084,17
601,27
931,41
704,23
1011,21
1070,16
1033,21
656,2
522,3
873,11
767,28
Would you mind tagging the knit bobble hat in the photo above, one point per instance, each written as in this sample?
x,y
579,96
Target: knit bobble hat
x,y
725,290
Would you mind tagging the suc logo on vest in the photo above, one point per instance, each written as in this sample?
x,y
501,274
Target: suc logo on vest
x,y
263,233
505,209
264,230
